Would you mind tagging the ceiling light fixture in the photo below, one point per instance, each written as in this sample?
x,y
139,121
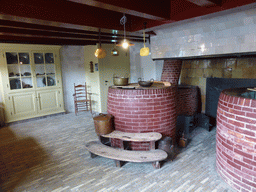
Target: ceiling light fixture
x,y
125,43
100,52
114,51
145,50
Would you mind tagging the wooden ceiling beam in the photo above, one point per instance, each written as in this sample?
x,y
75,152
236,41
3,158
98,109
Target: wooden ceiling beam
x,y
30,39
154,10
76,13
16,24
36,40
216,2
61,34
66,12
202,3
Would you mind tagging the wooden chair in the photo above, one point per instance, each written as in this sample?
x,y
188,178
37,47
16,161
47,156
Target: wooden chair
x,y
82,99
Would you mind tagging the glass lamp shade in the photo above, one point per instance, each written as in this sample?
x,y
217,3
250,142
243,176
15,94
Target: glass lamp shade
x,y
125,44
100,53
144,51
114,52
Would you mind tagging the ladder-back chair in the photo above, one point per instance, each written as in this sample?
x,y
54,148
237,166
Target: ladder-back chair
x,y
82,99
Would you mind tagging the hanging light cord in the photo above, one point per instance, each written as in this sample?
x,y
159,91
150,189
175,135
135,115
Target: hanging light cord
x,y
122,22
144,38
99,38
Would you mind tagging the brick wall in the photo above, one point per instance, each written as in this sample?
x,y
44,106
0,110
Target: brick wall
x,y
171,71
187,100
143,111
236,141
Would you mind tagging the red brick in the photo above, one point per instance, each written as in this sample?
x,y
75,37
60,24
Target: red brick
x,y
245,120
236,123
253,103
247,109
237,112
243,143
241,184
227,156
227,146
221,137
234,164
238,135
251,162
238,107
249,183
229,115
252,115
251,139
243,175
241,101
243,153
229,126
235,100
245,132
222,107
247,102
223,118
252,127
242,164
244,190
234,175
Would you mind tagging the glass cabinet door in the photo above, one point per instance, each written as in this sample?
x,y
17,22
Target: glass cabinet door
x,y
19,70
45,69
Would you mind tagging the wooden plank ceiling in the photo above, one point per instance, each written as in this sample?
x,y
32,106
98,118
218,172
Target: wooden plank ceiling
x,y
77,22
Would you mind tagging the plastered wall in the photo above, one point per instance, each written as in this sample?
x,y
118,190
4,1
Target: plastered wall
x,y
195,72
92,79
73,71
231,31
143,67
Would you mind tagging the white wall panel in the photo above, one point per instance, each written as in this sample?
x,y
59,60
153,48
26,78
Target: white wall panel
x,y
231,31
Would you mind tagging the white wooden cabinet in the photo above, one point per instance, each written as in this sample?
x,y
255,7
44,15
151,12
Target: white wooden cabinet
x,y
31,81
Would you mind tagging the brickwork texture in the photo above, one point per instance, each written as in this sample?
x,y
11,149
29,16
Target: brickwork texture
x,y
143,111
236,141
171,71
187,101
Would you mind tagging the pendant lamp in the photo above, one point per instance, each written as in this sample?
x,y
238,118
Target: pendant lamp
x,y
100,52
114,51
125,43
145,50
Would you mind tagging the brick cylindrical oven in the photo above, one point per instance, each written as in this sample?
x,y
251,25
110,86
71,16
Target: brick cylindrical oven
x,y
140,110
236,138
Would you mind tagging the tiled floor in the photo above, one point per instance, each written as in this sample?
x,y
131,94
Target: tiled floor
x,y
49,155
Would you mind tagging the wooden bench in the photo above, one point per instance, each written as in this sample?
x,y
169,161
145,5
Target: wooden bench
x,y
96,148
120,155
150,137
